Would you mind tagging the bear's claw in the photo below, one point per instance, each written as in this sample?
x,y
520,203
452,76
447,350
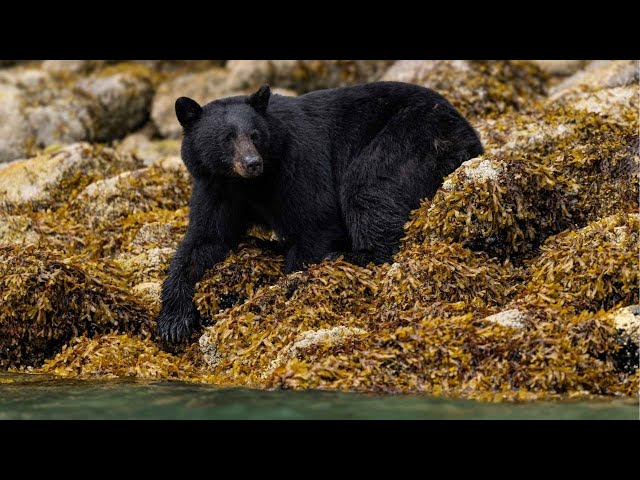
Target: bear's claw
x,y
176,328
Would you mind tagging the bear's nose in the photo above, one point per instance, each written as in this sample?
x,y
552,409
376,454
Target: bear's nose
x,y
254,165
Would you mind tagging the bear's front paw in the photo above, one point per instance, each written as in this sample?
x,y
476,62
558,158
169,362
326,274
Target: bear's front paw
x,y
176,327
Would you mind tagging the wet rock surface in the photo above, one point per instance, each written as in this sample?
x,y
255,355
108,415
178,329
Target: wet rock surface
x,y
517,281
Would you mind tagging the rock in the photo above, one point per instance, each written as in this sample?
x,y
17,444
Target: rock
x,y
48,299
15,135
151,265
203,87
598,75
149,151
627,321
512,318
303,75
560,68
63,67
178,66
209,351
51,109
50,179
17,229
478,89
121,101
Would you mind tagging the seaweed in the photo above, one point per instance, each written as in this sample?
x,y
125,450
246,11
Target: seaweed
x,y
47,298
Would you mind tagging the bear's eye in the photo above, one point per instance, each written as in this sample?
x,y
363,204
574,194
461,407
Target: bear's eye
x,y
254,135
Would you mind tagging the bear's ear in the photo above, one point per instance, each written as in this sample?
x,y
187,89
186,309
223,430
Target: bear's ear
x,y
260,99
187,111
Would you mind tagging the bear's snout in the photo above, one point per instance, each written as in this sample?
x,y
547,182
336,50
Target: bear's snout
x,y
253,165
247,162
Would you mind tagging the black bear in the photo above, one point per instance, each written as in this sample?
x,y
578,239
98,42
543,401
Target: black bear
x,y
332,172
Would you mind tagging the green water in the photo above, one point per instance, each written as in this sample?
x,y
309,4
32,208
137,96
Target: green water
x,y
40,397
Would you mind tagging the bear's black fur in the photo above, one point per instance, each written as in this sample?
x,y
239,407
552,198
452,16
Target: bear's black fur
x,y
332,172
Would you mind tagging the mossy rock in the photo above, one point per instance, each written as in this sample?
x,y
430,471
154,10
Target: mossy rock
x,y
47,298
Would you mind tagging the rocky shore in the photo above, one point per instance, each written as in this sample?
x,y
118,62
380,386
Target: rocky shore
x,y
517,281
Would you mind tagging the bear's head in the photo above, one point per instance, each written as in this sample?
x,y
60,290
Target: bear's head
x,y
227,137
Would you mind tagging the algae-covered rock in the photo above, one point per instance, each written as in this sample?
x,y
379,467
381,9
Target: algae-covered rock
x,y
446,275
250,336
117,208
555,169
150,265
47,298
121,356
470,358
55,177
303,75
106,201
478,89
594,268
